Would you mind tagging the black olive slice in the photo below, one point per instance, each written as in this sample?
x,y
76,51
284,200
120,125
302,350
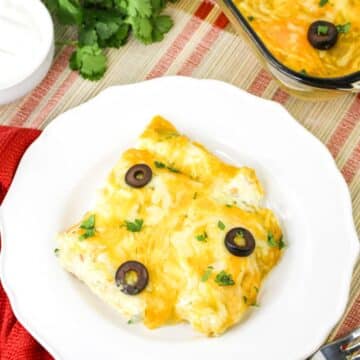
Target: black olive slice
x,y
240,242
138,175
139,274
322,35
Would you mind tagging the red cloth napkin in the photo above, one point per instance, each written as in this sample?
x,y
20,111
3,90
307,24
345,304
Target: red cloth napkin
x,y
15,342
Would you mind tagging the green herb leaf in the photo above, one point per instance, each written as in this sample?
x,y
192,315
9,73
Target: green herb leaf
x,y
172,169
224,279
251,18
322,30
141,8
221,225
245,299
135,226
69,12
56,251
343,29
323,2
88,223
207,274
281,243
273,243
89,61
303,72
159,164
87,234
228,205
271,240
202,237
89,226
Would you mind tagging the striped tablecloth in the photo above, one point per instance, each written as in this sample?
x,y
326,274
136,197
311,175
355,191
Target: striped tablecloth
x,y
203,44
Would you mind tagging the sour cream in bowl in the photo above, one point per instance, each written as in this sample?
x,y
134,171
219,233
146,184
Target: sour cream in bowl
x,y
26,47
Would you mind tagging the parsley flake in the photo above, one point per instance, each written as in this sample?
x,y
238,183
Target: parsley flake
x,y
245,299
56,251
159,164
172,169
343,29
221,225
207,274
135,226
89,226
224,279
251,18
323,2
202,237
273,243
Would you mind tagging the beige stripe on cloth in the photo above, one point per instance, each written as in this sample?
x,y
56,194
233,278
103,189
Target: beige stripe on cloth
x,y
203,45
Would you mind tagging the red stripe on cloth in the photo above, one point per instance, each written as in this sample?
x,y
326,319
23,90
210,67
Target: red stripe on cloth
x,y
260,83
345,128
55,99
204,46
181,40
352,320
352,164
35,97
281,96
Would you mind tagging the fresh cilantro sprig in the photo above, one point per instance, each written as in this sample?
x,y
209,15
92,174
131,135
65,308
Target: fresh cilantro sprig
x,y
103,24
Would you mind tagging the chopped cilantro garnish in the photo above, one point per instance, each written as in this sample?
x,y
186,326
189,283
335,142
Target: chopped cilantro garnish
x,y
88,223
245,299
322,30
87,234
251,18
303,72
56,251
271,240
228,205
207,274
202,237
323,2
159,164
273,243
281,243
172,169
221,225
89,226
224,279
135,226
344,28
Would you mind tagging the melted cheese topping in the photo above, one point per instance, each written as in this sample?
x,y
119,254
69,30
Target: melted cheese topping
x,y
283,24
176,207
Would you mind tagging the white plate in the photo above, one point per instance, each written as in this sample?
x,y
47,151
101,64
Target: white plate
x,y
56,181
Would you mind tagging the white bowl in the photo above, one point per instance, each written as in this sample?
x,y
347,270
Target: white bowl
x,y
26,49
